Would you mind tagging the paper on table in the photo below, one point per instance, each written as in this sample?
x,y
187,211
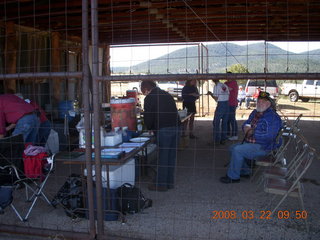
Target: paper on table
x,y
106,150
131,144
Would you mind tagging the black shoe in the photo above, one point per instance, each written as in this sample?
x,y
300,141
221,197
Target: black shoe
x,y
245,175
226,179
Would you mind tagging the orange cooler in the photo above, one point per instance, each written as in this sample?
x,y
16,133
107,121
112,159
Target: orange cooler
x,y
132,94
123,113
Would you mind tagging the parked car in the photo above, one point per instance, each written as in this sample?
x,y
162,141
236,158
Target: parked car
x,y
308,89
172,87
269,86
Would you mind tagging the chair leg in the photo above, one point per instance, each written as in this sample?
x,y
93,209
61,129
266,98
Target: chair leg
x,y
260,182
255,173
17,213
36,194
302,205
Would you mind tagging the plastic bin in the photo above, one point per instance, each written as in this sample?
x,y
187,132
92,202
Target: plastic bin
x,y
118,174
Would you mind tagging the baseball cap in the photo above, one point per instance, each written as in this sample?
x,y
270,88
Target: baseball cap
x,y
266,95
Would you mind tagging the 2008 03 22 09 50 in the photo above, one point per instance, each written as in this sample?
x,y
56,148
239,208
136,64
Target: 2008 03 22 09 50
x,y
263,214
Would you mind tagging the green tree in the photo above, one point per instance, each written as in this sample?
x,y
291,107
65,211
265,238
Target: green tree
x,y
239,68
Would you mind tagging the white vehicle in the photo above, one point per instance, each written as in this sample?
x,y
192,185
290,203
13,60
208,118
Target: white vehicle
x,y
308,89
269,86
172,87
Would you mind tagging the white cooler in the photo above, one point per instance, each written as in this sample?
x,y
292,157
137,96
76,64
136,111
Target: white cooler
x,y
118,174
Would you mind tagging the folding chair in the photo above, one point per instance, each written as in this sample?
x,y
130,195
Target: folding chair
x,y
286,170
7,188
291,128
292,185
10,157
275,157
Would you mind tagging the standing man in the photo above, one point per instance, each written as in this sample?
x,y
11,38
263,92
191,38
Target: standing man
x,y
232,125
20,115
161,117
261,130
190,94
221,96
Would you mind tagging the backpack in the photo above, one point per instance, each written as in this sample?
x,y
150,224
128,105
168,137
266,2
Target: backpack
x,y
70,195
131,199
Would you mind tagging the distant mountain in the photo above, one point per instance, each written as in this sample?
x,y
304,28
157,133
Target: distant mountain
x,y
222,56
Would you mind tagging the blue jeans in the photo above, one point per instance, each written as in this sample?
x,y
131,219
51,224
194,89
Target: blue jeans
x,y
167,140
232,125
220,121
43,133
28,126
239,153
240,101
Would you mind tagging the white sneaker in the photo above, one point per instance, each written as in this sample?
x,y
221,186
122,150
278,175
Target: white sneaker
x,y
233,138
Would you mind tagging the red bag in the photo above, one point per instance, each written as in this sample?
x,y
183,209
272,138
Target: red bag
x,y
33,165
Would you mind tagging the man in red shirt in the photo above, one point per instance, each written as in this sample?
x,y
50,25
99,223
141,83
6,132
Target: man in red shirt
x,y
20,115
253,98
232,126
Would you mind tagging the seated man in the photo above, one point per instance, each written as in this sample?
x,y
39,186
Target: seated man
x,y
253,98
241,96
261,130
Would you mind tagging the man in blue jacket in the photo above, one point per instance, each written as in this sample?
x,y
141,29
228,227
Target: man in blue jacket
x,y
261,130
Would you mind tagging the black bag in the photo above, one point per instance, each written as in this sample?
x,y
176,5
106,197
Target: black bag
x,y
131,199
5,197
70,196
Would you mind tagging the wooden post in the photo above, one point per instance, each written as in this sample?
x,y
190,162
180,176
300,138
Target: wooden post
x,y
10,55
55,64
107,72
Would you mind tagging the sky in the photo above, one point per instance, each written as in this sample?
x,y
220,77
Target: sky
x,y
129,56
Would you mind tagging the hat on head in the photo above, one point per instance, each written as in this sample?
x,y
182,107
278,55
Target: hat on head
x,y
266,95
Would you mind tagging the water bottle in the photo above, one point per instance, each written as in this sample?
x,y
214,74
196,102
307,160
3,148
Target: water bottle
x,y
125,137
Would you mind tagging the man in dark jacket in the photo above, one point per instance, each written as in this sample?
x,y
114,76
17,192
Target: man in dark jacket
x,y
161,117
261,130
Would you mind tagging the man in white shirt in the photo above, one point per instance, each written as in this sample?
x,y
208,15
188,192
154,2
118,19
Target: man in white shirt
x,y
221,96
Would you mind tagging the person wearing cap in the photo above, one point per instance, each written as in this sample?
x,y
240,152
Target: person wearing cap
x,y
253,98
241,96
261,130
19,115
161,116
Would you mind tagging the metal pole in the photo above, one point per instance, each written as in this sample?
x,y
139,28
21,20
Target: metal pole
x,y
41,75
212,76
86,106
96,113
